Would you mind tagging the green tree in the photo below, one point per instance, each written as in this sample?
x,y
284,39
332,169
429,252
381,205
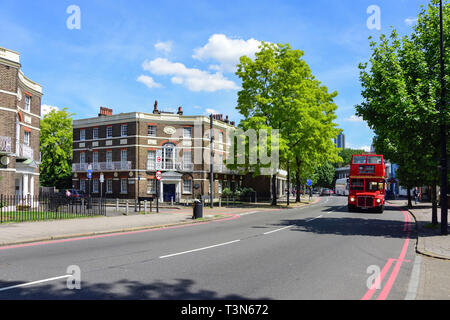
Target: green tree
x,y
401,89
56,149
280,92
346,155
324,175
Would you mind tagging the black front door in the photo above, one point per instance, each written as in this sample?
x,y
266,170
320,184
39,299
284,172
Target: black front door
x,y
169,192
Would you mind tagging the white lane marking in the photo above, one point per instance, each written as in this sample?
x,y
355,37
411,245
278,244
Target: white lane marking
x,y
414,281
309,220
35,282
200,249
247,213
273,231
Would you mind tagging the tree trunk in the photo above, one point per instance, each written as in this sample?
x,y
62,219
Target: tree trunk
x,y
297,180
274,189
288,184
434,210
409,198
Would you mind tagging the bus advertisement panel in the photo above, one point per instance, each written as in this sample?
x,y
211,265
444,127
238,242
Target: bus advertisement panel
x,y
367,183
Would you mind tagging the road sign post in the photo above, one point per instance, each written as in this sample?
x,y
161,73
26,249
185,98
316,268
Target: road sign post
x,y
158,179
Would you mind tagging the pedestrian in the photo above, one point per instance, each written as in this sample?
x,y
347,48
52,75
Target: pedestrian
x,y
67,193
416,195
310,194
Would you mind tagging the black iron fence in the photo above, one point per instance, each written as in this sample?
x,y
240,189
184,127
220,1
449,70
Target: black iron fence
x,y
48,207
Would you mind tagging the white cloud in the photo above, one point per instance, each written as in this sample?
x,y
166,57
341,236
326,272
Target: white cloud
x,y
46,109
226,51
209,111
166,47
354,119
411,21
149,82
193,79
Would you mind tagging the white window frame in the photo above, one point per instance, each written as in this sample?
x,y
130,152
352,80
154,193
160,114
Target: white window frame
x,y
189,185
27,106
109,186
82,157
151,131
123,186
83,185
123,156
187,132
95,133
95,186
124,130
151,186
151,160
109,132
26,138
82,134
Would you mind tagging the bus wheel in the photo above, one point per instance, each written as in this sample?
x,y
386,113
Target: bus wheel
x,y
380,209
351,209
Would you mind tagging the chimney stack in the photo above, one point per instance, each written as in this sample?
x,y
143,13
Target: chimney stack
x,y
155,109
226,120
105,112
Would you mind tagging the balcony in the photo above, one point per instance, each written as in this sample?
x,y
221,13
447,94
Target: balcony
x,y
102,166
5,145
24,151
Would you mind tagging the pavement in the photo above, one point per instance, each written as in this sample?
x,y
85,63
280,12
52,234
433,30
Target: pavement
x,y
429,240
29,232
432,263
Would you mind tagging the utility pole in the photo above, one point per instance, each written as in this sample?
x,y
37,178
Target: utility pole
x,y
443,111
211,164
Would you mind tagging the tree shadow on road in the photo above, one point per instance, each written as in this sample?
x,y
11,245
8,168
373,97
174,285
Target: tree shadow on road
x,y
181,289
368,224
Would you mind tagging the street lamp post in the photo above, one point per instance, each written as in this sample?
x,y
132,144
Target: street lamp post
x,y
444,169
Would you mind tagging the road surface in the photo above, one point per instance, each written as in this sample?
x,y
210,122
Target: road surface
x,y
315,252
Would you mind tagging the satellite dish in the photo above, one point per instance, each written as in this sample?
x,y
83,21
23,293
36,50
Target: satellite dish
x,y
4,160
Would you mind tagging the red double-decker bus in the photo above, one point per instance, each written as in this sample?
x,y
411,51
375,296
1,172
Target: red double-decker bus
x,y
367,183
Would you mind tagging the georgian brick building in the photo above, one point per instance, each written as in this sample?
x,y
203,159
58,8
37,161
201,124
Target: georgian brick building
x,y
20,113
123,148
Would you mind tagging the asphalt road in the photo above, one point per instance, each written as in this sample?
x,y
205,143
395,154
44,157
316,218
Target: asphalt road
x,y
315,252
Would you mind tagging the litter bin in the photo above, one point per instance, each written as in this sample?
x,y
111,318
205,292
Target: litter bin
x,y
198,209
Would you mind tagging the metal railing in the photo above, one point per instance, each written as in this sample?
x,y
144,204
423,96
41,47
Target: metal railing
x,y
14,209
24,151
102,166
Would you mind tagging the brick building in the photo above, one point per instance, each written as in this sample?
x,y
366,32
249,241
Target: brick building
x,y
20,112
123,148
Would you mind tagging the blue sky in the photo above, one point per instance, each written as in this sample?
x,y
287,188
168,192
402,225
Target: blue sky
x,y
127,54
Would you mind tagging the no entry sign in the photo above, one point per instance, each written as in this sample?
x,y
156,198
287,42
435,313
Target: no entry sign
x,y
158,175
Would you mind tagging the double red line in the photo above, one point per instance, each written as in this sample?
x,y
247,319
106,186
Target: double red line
x,y
398,264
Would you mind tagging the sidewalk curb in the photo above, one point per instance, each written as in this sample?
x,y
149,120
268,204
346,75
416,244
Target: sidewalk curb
x,y
420,248
107,232
223,216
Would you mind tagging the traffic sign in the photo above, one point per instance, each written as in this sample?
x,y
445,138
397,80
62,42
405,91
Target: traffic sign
x,y
158,175
89,174
158,159
309,183
102,178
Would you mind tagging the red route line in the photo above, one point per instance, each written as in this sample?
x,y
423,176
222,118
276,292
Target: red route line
x,y
399,261
115,234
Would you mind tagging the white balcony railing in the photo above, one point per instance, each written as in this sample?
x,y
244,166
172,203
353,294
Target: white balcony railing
x,y
24,151
5,144
102,166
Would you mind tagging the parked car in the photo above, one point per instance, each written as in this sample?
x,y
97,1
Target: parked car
x,y
326,192
74,194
